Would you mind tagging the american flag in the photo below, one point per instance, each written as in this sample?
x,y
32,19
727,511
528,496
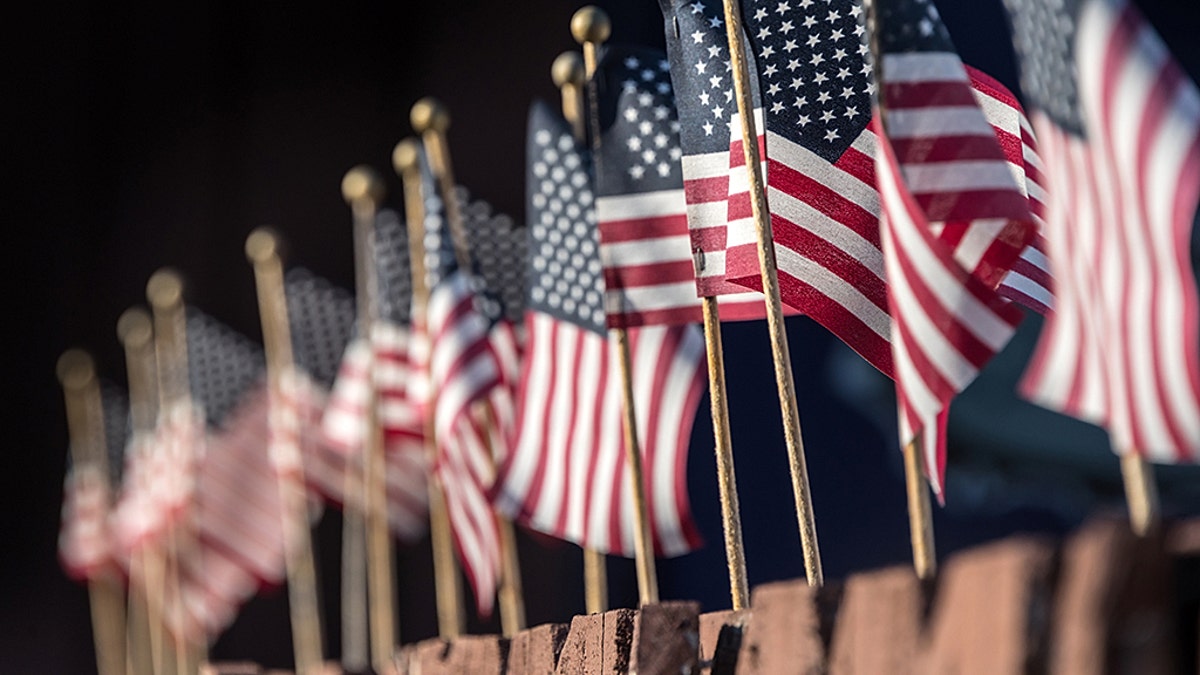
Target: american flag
x,y
814,71
1029,281
956,216
567,475
640,203
702,78
321,316
1119,126
466,369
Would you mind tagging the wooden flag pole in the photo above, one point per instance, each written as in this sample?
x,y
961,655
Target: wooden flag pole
x,y
363,190
590,26
920,516
262,249
431,119
452,620
85,427
145,636
164,291
770,283
569,76
1141,493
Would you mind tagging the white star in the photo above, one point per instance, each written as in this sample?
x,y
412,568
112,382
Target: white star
x,y
631,114
770,70
700,66
809,21
855,10
839,54
664,169
714,52
847,92
629,86
833,16
675,153
648,75
820,78
773,89
851,111
786,27
801,102
715,22
843,73
664,65
764,33
760,14
718,112
767,52
802,120
817,59
645,98
789,46
781,8
704,98
663,88
812,41
645,127
728,95
823,96
648,156
708,128
796,83
793,64
698,36
674,126
926,27
697,8
805,4
636,171
715,81
660,140
826,116
831,135
776,108
661,112
634,144
836,35
631,63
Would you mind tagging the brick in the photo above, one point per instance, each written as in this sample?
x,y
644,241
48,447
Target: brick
x,y
1112,610
785,636
720,640
598,643
666,638
990,612
535,651
878,624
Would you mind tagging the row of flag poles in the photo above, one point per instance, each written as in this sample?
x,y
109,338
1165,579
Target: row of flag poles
x,y
832,159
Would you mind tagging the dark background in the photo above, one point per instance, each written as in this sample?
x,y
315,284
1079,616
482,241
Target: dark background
x,y
162,134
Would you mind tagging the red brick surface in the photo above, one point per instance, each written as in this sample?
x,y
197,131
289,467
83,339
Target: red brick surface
x,y
864,641
666,638
784,636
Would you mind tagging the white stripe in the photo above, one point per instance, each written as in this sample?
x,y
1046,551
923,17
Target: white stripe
x,y
943,177
709,165
647,251
922,67
677,295
980,235
934,122
835,288
642,205
840,236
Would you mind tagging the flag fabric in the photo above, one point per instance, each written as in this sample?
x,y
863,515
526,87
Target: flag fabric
x,y
956,217
1118,122
85,538
567,475
702,79
461,372
321,317
1029,282
815,76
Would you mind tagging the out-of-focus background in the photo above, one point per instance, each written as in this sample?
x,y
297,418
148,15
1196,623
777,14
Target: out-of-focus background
x,y
162,134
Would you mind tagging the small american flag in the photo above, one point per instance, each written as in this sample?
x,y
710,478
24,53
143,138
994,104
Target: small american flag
x,y
567,475
703,82
85,545
640,201
1119,126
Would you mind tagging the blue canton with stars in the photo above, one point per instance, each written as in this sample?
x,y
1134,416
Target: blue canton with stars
x,y
814,70
701,73
639,147
1044,36
911,26
566,277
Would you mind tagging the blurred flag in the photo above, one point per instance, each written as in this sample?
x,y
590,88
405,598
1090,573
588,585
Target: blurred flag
x,y
462,349
1028,282
703,84
1119,126
567,475
85,544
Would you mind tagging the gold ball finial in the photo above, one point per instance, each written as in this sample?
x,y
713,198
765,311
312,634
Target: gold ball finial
x,y
567,69
262,245
591,24
75,369
134,327
165,288
362,182
429,114
406,155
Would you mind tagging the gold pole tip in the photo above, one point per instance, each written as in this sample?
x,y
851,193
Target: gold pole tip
x,y
591,24
75,369
134,327
429,114
406,155
567,69
262,245
165,289
362,182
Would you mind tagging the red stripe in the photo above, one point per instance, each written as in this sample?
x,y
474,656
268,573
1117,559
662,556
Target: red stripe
x,y
641,229
561,524
949,148
928,94
649,274
655,317
706,190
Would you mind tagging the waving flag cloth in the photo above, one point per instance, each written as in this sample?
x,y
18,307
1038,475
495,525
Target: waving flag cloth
x,y
344,422
567,475
462,372
86,545
1119,127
